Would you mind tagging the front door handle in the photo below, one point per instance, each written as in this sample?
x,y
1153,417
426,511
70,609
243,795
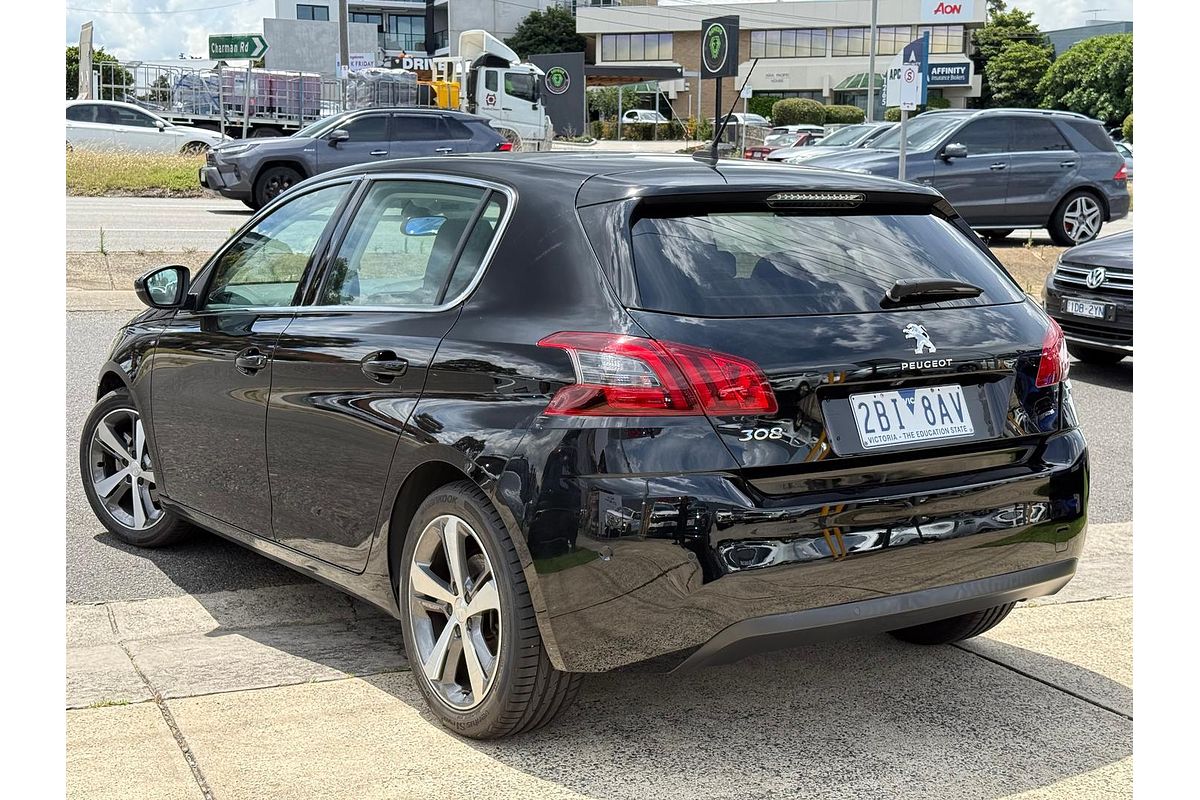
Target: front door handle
x,y
250,361
384,366
444,150
998,166
1065,164
379,152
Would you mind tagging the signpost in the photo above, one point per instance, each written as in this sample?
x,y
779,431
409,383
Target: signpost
x,y
249,46
914,62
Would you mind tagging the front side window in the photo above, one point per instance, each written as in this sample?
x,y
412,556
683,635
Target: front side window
x,y
986,137
265,265
371,128
401,248
318,13
759,263
489,80
522,85
118,115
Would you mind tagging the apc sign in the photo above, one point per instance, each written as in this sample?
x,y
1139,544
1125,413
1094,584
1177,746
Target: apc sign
x,y
947,11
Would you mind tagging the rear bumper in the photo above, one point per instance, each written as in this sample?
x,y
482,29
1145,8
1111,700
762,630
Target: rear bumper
x,y
878,614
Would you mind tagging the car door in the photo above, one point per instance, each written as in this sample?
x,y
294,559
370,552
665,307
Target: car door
x,y
212,363
415,135
368,142
1044,167
87,127
135,130
977,185
351,366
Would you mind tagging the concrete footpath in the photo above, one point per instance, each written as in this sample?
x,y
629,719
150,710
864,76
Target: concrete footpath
x,y
299,692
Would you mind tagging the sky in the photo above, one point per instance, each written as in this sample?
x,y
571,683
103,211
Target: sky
x,y
166,28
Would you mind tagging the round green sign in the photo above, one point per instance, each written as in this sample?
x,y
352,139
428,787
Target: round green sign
x,y
715,47
558,80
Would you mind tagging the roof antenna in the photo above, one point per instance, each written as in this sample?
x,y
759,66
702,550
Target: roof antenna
x,y
711,157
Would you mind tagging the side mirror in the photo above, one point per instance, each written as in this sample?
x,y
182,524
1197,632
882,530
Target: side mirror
x,y
423,226
158,123
340,135
164,287
954,150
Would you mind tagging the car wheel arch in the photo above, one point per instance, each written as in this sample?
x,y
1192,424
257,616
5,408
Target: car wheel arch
x,y
282,162
110,381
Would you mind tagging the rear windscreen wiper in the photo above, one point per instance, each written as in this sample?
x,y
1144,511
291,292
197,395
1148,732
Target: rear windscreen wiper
x,y
927,290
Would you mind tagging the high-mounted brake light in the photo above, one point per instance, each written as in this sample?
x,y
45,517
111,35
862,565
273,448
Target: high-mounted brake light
x,y
1122,173
1055,361
504,147
618,375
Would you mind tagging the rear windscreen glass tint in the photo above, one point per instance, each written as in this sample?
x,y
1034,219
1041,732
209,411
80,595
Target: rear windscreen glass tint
x,y
754,264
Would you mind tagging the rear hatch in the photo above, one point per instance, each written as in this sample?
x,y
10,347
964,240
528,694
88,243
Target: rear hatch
x,y
856,379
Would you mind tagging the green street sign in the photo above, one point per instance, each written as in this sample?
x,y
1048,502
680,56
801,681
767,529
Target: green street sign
x,y
236,45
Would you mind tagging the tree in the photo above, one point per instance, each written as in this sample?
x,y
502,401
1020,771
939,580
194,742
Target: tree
x,y
604,100
1093,77
1015,72
1003,28
110,76
549,31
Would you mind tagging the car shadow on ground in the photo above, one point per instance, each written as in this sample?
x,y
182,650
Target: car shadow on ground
x,y
1112,376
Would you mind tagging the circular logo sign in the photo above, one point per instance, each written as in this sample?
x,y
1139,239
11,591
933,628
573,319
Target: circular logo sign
x,y
558,80
715,47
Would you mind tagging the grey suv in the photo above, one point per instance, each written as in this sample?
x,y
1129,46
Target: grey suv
x,y
1006,168
255,171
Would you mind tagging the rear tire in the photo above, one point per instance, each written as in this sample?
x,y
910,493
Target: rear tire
x,y
112,440
522,690
274,182
1092,355
955,629
1077,219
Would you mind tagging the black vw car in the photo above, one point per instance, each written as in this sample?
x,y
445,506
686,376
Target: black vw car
x,y
1090,294
562,413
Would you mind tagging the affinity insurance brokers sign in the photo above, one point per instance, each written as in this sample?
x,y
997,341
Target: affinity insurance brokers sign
x,y
947,11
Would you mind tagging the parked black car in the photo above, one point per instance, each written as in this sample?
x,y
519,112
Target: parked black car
x,y
1007,168
257,170
561,413
1090,295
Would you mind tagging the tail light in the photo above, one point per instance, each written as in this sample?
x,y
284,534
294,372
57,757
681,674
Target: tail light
x,y
1122,173
1055,361
618,375
504,147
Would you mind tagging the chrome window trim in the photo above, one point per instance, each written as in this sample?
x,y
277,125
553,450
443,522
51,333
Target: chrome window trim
x,y
431,177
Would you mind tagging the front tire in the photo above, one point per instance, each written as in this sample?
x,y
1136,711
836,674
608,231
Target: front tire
x,y
468,621
1093,355
1076,220
119,475
274,182
955,629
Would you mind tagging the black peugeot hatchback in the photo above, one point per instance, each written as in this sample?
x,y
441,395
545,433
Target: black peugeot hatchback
x,y
562,413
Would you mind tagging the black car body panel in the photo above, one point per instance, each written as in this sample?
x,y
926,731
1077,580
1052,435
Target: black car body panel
x,y
1107,263
638,536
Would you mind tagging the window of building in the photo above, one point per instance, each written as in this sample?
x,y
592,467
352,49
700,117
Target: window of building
x,y
944,38
405,32
370,19
891,40
851,41
793,43
785,94
636,47
317,13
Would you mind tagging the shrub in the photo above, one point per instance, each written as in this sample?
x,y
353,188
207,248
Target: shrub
x,y
798,111
892,114
844,115
1127,129
597,128
937,102
761,105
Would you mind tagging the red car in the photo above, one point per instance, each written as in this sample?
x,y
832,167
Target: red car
x,y
778,140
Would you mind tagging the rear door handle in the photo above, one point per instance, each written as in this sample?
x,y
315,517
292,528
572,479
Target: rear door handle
x,y
379,152
250,361
999,166
384,366
1066,163
444,150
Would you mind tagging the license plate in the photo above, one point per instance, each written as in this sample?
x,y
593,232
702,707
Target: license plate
x,y
1085,308
904,416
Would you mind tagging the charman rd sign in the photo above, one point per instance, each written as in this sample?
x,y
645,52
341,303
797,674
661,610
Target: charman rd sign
x,y
236,45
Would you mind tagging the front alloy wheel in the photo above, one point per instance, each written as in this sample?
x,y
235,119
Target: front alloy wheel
x,y
454,606
122,472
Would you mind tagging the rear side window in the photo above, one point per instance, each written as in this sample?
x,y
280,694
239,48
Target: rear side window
x,y
418,128
1038,134
760,264
1093,134
457,129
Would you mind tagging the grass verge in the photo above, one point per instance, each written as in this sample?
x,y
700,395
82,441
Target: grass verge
x,y
96,173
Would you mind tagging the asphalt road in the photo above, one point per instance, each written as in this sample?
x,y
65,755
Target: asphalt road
x,y
157,224
99,568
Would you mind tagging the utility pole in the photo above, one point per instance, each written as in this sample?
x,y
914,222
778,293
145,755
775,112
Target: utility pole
x,y
344,34
871,68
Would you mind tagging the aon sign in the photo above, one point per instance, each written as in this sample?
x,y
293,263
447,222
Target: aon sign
x,y
948,11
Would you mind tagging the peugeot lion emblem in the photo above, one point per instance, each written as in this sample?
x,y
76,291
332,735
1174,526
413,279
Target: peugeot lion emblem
x,y
920,336
1096,278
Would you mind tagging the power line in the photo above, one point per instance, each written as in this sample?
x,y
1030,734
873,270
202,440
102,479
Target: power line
x,y
161,12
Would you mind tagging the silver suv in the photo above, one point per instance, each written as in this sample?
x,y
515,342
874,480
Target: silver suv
x,y
1007,168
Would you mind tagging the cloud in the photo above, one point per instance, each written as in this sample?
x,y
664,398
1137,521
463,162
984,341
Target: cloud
x,y
1054,14
176,29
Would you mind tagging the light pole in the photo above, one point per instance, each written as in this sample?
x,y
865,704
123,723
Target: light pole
x,y
871,67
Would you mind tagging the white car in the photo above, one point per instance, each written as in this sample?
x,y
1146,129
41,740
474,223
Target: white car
x,y
644,115
109,125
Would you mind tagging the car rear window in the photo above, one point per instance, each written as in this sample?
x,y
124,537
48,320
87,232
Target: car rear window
x,y
762,263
